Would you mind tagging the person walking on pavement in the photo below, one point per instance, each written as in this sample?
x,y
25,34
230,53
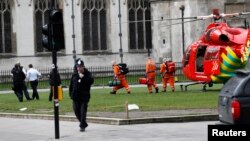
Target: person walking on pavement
x,y
82,81
121,77
33,76
167,72
71,79
150,74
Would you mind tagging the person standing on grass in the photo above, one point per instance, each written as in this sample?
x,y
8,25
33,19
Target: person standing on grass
x,y
168,74
81,84
51,81
32,76
23,85
18,78
151,74
25,89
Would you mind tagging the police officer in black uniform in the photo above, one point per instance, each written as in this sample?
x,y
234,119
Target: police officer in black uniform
x,y
81,83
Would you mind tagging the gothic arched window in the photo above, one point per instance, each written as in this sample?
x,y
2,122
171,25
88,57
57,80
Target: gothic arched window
x,y
5,27
41,18
94,25
139,17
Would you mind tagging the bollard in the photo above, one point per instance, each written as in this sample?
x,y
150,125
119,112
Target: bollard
x,y
126,109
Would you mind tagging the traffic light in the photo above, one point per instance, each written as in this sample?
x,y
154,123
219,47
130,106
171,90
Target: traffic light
x,y
53,31
46,41
57,30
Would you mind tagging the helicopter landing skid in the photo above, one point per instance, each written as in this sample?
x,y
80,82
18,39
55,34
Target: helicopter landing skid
x,y
193,83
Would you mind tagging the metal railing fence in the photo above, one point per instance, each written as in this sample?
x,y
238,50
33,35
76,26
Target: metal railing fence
x,y
102,75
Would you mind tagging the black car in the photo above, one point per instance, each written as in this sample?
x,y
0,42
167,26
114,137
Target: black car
x,y
234,99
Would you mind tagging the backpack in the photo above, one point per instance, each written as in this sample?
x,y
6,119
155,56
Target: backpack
x,y
123,68
170,67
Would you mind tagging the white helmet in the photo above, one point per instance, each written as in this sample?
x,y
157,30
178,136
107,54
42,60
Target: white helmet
x,y
164,59
168,59
113,62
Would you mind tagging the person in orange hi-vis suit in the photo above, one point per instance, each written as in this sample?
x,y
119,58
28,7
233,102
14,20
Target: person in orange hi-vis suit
x,y
119,76
151,73
166,75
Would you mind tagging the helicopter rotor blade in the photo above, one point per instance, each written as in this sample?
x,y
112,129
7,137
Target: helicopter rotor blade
x,y
229,15
194,18
234,14
205,17
159,20
211,16
244,13
222,15
182,22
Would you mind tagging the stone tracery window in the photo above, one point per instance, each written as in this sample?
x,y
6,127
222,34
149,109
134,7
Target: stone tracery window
x,y
94,25
41,13
139,17
5,27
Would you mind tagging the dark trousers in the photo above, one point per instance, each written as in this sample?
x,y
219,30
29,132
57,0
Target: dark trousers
x,y
18,89
80,109
25,91
51,94
33,85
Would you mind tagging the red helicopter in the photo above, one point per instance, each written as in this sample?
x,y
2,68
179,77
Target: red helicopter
x,y
221,50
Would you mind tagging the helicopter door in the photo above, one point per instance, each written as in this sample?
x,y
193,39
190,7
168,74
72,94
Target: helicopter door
x,y
211,61
199,58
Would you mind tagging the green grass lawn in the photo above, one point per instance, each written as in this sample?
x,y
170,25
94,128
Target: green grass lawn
x,y
102,101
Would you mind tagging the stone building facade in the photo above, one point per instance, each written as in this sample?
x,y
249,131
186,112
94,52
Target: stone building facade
x,y
96,31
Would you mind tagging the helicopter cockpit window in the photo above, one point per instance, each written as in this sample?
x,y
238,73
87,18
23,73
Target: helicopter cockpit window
x,y
199,58
212,54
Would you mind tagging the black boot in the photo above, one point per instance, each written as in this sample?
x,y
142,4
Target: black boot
x,y
156,90
113,92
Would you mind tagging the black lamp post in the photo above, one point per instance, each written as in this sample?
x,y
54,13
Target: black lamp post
x,y
182,8
120,31
73,30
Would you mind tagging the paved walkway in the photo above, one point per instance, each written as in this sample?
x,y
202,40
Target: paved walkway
x,y
12,129
135,117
